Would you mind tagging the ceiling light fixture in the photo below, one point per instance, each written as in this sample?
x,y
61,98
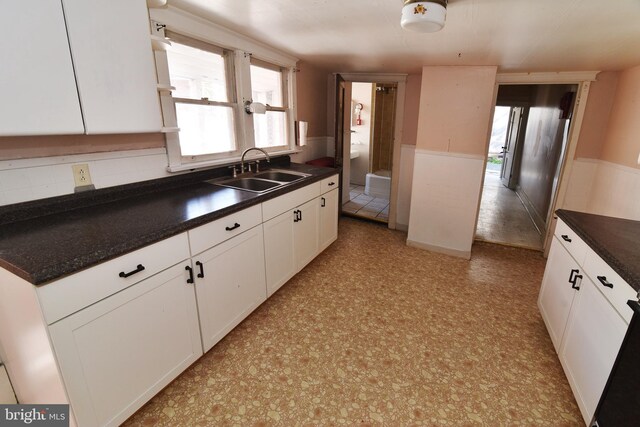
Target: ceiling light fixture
x,y
423,16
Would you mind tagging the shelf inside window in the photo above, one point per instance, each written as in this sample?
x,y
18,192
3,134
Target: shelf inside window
x,y
159,43
170,129
156,3
165,88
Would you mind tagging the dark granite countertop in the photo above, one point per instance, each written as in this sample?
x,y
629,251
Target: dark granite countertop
x,y
47,239
615,240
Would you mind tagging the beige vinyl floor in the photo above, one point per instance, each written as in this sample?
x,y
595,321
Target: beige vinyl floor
x,y
374,332
503,217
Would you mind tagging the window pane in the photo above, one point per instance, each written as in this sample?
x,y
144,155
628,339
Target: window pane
x,y
205,129
196,73
269,129
266,86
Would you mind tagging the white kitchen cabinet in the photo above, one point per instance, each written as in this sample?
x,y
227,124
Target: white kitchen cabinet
x,y
328,219
290,242
116,354
559,287
6,391
280,258
592,340
230,283
114,65
39,95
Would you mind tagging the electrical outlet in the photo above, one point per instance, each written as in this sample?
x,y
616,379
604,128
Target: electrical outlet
x,y
81,175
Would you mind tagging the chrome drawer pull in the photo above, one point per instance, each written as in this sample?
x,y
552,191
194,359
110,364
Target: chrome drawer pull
x,y
603,280
138,269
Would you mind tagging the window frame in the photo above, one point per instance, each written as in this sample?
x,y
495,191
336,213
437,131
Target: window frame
x,y
239,89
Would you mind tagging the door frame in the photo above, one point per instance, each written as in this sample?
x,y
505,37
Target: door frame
x,y
581,78
401,81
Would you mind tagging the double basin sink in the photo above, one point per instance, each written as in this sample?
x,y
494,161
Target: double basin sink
x,y
261,182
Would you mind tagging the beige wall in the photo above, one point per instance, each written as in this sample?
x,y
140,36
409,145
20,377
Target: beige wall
x,y
596,116
25,147
312,98
411,109
455,107
622,142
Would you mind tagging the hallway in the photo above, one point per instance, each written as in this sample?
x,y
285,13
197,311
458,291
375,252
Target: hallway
x,y
503,218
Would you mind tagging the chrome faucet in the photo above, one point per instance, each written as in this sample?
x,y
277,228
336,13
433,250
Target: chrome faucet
x,y
246,151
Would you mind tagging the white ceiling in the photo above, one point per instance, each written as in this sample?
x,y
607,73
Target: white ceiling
x,y
365,35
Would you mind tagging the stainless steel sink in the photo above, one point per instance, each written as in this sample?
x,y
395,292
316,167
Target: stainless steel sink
x,y
280,176
261,182
256,185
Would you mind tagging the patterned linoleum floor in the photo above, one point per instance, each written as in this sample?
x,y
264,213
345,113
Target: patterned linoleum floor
x,y
374,332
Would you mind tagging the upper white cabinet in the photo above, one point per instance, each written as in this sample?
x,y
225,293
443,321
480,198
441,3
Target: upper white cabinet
x,y
114,64
39,93
77,66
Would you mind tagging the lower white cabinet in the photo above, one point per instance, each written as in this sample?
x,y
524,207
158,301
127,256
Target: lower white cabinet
x,y
592,341
560,284
306,233
116,354
230,284
328,219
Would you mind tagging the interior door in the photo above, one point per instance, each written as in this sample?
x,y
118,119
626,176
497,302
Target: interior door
x,y
339,128
507,175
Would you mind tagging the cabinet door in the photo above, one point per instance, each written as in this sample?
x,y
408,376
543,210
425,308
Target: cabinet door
x,y
39,95
280,260
230,284
306,236
118,353
114,65
592,341
556,292
328,218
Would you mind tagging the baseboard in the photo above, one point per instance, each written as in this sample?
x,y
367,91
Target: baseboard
x,y
439,249
539,222
402,227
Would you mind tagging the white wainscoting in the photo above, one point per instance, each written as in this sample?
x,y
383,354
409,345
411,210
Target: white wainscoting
x,y
316,147
23,180
405,177
444,201
604,188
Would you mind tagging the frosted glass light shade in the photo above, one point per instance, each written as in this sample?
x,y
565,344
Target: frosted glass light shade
x,y
423,16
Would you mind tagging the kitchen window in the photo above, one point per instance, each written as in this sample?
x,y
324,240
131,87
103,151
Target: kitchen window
x,y
210,88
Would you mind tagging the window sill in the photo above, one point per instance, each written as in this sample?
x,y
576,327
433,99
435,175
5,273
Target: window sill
x,y
222,162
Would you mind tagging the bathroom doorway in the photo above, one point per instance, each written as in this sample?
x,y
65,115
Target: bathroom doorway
x,y
372,130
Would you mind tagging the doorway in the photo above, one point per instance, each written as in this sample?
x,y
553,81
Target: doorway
x,y
387,94
372,129
528,141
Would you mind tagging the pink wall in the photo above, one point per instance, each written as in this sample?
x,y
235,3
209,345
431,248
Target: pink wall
x,y
455,107
622,142
312,98
24,147
411,109
596,116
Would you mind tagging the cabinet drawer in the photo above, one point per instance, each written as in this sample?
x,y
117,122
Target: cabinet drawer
x,y
274,207
209,235
620,292
70,294
329,184
570,240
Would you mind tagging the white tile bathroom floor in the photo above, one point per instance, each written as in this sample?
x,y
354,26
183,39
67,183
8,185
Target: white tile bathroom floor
x,y
366,206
